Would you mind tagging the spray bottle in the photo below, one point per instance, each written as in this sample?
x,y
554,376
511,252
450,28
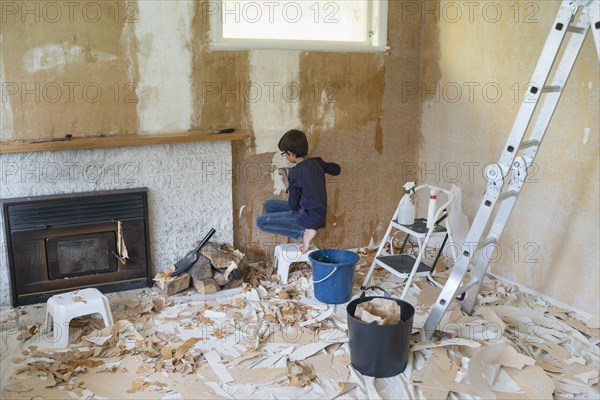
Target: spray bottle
x,y
432,208
406,209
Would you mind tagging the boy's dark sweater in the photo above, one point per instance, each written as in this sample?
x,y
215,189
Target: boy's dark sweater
x,y
307,192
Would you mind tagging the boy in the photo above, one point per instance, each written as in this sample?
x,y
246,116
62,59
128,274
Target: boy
x,y
306,208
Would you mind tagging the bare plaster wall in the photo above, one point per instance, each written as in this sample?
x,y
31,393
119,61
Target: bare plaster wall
x,y
156,72
347,103
475,69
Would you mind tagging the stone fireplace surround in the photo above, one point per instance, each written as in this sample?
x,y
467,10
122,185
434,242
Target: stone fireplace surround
x,y
189,190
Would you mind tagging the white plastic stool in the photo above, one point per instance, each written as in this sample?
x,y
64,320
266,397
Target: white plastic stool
x,y
62,308
285,254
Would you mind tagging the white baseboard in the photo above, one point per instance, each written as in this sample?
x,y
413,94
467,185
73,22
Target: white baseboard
x,y
584,315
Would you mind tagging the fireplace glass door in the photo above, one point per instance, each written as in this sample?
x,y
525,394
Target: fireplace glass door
x,y
81,255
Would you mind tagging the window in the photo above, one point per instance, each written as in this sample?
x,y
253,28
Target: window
x,y
341,25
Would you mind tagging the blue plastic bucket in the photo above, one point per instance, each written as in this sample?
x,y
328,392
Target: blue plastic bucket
x,y
333,274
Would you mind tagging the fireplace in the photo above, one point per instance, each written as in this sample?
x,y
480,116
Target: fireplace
x,y
65,242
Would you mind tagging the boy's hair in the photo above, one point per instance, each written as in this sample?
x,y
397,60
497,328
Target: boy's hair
x,y
295,142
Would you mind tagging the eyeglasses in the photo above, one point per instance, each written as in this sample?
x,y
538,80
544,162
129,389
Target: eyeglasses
x,y
283,153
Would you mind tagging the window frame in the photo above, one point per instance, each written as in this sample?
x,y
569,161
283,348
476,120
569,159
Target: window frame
x,y
377,16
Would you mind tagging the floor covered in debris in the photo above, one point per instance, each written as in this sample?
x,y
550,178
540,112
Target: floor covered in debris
x,y
269,340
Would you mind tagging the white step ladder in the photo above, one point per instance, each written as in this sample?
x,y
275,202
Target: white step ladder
x,y
517,155
405,265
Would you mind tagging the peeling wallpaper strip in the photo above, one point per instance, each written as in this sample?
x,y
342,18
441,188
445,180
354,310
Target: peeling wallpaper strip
x,y
128,40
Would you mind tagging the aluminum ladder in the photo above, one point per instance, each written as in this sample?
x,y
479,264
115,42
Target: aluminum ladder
x,y
517,155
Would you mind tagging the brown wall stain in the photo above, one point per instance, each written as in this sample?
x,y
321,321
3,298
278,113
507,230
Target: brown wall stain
x,y
352,85
355,84
85,97
217,79
431,53
400,122
253,185
336,214
379,137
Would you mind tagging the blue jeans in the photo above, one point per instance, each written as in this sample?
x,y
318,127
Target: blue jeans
x,y
279,219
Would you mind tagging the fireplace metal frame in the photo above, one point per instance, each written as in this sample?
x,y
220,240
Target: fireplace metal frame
x,y
116,279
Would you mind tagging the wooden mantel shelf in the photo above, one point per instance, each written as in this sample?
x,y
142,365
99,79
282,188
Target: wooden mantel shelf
x,y
118,141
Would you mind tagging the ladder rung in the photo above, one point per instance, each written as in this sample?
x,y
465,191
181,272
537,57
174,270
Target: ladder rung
x,y
529,143
551,89
486,242
466,287
576,29
507,194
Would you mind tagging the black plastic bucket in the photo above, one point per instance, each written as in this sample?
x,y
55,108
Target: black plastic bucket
x,y
376,350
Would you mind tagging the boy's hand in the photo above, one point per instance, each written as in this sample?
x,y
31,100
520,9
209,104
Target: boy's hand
x,y
284,178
